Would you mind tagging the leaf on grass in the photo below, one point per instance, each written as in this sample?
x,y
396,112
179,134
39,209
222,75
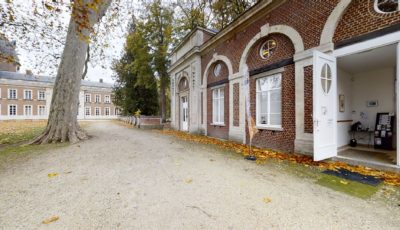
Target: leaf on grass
x,y
50,175
52,219
344,182
267,200
188,181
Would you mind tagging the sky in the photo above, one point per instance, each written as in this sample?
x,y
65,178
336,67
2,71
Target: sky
x,y
97,69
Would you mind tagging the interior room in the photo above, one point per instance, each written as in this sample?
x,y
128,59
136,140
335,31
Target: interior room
x,y
366,90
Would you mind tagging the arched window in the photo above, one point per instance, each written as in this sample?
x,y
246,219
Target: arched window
x,y
326,78
183,84
267,49
387,6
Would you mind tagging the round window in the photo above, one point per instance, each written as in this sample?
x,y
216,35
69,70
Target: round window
x,y
326,78
217,69
387,6
267,49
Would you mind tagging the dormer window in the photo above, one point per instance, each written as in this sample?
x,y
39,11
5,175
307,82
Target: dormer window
x,y
387,6
267,49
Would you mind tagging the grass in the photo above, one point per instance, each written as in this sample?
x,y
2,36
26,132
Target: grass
x,y
13,132
349,187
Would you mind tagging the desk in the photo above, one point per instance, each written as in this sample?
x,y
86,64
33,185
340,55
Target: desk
x,y
369,133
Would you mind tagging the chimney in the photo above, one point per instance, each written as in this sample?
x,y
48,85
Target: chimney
x,y
101,80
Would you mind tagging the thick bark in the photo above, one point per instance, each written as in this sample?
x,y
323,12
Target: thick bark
x,y
62,125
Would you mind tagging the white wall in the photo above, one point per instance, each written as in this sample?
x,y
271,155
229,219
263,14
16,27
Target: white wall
x,y
374,85
344,85
359,88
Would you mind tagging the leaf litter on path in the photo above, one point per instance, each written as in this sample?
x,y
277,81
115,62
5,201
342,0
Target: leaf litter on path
x,y
51,219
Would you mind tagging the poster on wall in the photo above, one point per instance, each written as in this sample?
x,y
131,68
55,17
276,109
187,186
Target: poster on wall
x,y
341,103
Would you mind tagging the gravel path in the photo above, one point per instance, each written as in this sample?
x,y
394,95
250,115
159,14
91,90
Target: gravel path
x,y
132,179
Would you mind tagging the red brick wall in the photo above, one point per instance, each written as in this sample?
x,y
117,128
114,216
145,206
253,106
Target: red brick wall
x,y
284,50
236,108
214,130
308,99
307,17
278,140
361,18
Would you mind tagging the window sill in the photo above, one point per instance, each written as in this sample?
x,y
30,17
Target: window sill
x,y
279,129
216,124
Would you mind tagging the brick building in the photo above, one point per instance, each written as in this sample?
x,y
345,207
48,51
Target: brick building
x,y
315,67
25,96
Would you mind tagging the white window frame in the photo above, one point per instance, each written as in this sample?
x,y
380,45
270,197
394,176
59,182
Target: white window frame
x,y
268,125
9,94
44,110
90,98
88,109
28,106
97,96
0,92
95,111
31,93
44,95
117,111
16,110
105,111
107,101
218,116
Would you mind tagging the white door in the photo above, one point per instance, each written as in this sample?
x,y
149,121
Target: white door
x,y
398,103
325,106
185,114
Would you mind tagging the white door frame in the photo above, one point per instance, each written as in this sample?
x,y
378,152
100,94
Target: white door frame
x,y
181,112
390,39
398,104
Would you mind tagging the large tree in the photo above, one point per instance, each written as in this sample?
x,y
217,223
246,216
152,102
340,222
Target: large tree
x,y
136,86
157,21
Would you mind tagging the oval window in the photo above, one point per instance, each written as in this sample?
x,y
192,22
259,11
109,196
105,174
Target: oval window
x,y
217,69
326,78
387,6
267,49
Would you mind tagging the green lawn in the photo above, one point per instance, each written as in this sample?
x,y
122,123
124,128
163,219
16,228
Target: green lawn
x,y
12,132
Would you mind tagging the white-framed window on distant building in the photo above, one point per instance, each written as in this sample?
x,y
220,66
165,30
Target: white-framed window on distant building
x,y
117,111
97,98
41,95
107,111
88,98
41,110
107,99
12,94
269,101
27,94
97,111
87,111
12,110
27,110
218,106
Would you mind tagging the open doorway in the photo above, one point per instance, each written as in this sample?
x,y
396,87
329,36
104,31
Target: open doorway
x,y
366,116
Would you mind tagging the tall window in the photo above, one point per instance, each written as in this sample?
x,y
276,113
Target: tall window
x,y
269,101
28,94
107,99
28,110
97,98
12,110
12,94
41,95
97,111
107,111
87,111
88,98
41,110
218,106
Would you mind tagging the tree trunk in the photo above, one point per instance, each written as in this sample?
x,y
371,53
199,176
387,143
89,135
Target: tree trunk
x,y
62,125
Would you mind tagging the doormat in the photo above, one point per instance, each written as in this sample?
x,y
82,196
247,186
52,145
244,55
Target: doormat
x,y
353,176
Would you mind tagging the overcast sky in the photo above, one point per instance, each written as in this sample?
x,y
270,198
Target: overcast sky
x,y
96,71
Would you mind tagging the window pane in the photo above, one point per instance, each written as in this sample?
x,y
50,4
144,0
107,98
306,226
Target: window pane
x,y
275,119
276,103
215,110
221,110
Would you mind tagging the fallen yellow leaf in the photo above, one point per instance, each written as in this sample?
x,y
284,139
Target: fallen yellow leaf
x,y
52,219
267,200
50,175
188,181
344,182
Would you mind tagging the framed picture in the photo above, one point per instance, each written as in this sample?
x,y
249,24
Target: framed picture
x,y
341,103
372,103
